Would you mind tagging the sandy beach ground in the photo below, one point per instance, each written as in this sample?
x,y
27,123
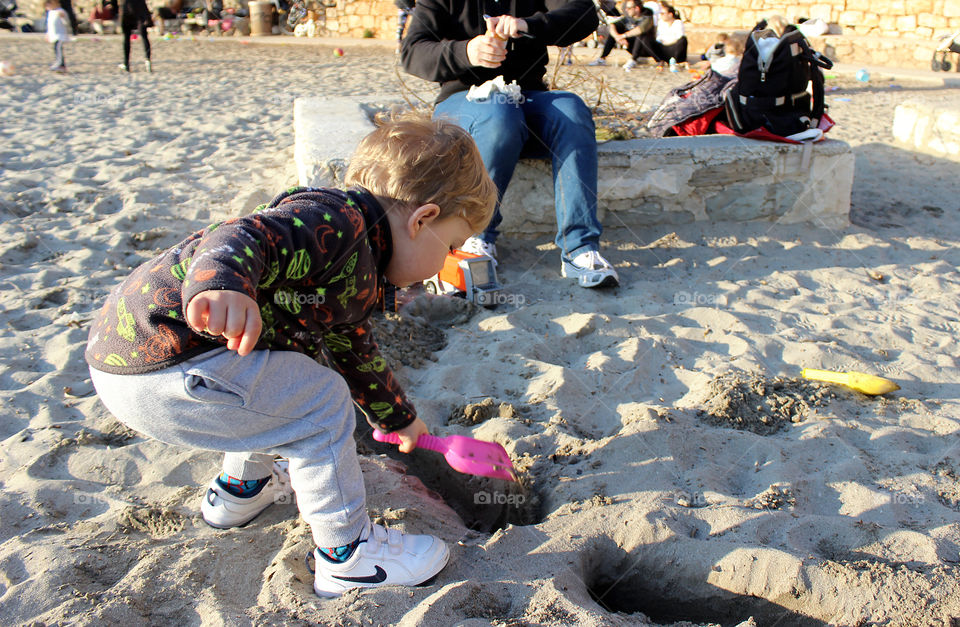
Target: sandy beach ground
x,y
676,470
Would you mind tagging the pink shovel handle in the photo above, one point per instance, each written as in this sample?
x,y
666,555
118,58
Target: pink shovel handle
x,y
427,441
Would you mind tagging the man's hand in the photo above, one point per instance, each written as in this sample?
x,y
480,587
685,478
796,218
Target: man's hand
x,y
507,26
486,50
410,434
233,315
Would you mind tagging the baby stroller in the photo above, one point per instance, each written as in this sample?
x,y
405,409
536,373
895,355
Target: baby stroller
x,y
948,43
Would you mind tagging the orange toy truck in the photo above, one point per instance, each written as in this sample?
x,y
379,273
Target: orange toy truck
x,y
468,275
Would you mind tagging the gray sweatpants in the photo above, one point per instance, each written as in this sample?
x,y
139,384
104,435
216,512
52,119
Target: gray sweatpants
x,y
252,407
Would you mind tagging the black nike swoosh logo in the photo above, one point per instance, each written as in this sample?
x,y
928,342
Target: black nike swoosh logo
x,y
377,577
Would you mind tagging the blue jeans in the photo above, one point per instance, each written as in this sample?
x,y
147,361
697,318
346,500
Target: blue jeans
x,y
547,124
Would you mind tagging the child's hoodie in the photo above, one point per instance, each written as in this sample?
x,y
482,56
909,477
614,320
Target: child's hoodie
x,y
313,260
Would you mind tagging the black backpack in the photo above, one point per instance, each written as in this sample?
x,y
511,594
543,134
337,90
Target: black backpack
x,y
773,93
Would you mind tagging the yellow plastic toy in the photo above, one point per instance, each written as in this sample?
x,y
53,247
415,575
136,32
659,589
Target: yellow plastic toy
x,y
863,383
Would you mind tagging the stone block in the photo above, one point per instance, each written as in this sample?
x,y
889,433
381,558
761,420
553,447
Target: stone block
x,y
822,11
859,5
322,150
915,7
700,15
907,23
850,18
726,17
642,181
951,8
888,22
931,129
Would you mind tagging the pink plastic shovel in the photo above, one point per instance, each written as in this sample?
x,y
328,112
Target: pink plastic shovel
x,y
466,455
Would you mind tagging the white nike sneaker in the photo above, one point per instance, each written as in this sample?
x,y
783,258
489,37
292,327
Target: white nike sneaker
x,y
478,246
590,269
384,557
629,65
223,510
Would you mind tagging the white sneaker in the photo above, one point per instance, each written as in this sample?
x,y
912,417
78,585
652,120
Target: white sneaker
x,y
478,246
384,557
590,270
149,67
629,65
600,61
223,510
123,66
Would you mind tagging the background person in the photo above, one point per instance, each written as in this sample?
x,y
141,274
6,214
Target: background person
x,y
57,24
635,31
135,16
454,43
671,41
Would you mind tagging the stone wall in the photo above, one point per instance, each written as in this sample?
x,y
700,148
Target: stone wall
x,y
363,18
920,19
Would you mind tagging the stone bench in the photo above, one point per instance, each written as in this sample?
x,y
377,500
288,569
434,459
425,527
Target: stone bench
x,y
930,129
642,181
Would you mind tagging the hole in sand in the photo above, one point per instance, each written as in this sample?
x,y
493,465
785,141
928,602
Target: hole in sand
x,y
632,583
484,504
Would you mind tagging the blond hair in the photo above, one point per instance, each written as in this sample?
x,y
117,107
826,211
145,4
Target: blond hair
x,y
414,160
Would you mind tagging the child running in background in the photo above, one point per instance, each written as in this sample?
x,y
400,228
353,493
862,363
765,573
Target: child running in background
x,y
57,24
217,343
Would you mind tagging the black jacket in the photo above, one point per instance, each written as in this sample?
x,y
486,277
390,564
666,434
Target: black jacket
x,y
134,13
435,47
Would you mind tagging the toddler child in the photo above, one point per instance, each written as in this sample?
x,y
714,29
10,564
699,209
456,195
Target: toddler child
x,y
716,50
57,22
252,335
729,64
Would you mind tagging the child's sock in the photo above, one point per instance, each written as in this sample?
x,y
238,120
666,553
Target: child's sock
x,y
339,554
241,488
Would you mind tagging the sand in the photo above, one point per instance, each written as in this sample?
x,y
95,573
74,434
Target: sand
x,y
674,468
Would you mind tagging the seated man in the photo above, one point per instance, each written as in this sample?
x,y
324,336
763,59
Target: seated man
x,y
635,31
170,11
454,43
105,11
